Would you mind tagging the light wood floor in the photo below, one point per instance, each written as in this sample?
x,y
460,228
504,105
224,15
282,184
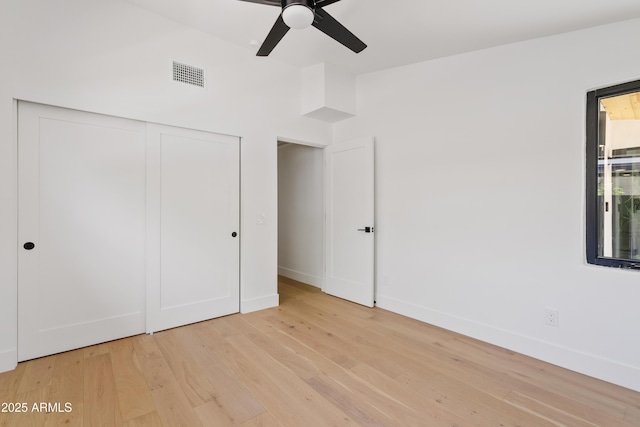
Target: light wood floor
x,y
313,361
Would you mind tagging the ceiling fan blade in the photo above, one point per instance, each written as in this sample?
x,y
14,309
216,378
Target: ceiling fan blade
x,y
328,25
323,3
276,34
267,2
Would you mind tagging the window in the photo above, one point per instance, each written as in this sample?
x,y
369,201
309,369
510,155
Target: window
x,y
613,176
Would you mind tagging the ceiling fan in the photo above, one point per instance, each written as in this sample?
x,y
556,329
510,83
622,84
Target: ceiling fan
x,y
302,13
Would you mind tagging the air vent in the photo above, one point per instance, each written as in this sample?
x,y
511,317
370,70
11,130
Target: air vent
x,y
188,74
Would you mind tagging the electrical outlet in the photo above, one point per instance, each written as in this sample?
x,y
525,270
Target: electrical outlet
x,y
551,316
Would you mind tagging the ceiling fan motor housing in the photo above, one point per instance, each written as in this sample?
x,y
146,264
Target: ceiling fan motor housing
x,y
311,4
298,14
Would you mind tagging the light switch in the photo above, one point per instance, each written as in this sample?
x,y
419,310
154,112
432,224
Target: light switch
x,y
261,219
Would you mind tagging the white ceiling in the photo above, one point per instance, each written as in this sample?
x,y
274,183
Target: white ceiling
x,y
397,32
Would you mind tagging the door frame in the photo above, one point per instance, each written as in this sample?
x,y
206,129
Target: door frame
x,y
324,201
324,210
9,357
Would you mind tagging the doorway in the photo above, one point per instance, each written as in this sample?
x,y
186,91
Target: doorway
x,y
326,217
301,213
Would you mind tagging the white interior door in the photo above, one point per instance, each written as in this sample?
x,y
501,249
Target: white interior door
x,y
82,207
350,221
193,225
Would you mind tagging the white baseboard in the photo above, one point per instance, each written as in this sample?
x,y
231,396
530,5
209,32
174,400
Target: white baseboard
x,y
8,360
261,303
309,279
588,364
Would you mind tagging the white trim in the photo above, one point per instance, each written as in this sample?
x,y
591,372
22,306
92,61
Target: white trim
x,y
260,303
588,364
300,142
152,238
8,360
309,279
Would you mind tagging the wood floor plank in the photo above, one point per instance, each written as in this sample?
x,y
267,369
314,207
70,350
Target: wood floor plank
x,y
151,419
591,393
362,412
152,363
96,350
262,420
35,415
571,404
290,289
545,411
279,378
461,365
134,396
632,415
319,372
174,408
291,401
67,389
10,381
37,374
335,306
171,403
238,401
415,357
299,358
225,326
214,414
187,371
121,344
477,408
73,357
270,395
430,413
338,350
100,406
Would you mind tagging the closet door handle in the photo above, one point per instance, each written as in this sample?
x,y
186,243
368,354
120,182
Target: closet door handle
x,y
29,245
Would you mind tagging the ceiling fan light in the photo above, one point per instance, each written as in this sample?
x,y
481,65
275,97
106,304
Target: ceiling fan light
x,y
297,16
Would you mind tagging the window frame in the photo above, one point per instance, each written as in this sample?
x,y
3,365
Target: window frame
x,y
592,147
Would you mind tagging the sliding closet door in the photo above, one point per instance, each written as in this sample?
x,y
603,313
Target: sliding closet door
x,y
81,263
124,228
193,226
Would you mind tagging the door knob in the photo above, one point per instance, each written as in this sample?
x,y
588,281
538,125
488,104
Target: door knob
x,y
234,234
366,229
29,245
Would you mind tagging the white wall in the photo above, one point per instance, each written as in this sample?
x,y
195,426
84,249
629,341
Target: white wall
x,y
301,213
480,198
110,57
